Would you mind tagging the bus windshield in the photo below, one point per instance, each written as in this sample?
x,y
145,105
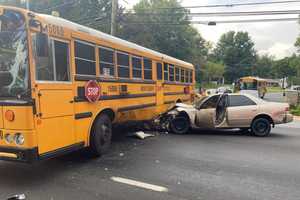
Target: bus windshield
x,y
249,85
14,70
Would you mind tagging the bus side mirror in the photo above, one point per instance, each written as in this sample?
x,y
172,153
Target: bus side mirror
x,y
42,45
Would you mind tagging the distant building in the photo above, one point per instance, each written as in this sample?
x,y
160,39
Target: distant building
x,y
273,82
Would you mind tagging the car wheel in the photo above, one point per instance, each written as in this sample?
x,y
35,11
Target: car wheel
x,y
179,125
101,134
261,127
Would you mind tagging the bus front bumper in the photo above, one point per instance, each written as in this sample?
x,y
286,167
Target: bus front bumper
x,y
19,154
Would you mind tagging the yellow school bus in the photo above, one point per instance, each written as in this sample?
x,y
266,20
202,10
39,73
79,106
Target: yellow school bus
x,y
252,85
63,85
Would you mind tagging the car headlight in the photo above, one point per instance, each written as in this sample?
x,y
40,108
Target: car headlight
x,y
8,138
19,139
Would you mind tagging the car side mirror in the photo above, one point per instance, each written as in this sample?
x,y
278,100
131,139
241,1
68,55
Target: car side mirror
x,y
42,45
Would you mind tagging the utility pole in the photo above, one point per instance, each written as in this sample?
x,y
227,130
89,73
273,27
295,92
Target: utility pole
x,y
114,9
27,5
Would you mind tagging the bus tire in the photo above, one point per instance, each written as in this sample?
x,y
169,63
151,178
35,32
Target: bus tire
x,y
101,135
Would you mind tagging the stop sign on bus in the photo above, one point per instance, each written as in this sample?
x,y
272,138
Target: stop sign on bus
x,y
92,91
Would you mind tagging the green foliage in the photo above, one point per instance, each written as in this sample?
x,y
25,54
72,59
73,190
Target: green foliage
x,y
295,110
236,51
154,28
263,66
212,71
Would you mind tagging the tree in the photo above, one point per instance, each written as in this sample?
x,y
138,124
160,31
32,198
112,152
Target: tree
x,y
213,71
164,30
236,51
93,13
263,66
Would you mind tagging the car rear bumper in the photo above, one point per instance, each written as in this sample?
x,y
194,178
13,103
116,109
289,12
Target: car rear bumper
x,y
19,154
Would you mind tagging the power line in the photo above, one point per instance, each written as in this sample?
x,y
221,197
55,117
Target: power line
x,y
221,5
209,14
216,22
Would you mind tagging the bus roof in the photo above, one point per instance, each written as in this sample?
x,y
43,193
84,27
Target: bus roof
x,y
112,39
250,78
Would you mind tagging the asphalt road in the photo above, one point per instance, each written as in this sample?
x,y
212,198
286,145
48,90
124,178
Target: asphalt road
x,y
202,165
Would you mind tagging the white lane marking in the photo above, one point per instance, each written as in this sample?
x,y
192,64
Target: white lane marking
x,y
139,184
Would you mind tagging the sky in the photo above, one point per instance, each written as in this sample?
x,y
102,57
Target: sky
x,y
273,38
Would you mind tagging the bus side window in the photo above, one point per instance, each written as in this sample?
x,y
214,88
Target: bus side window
x,y
177,77
159,71
182,75
123,65
43,61
107,62
62,66
136,67
171,72
147,69
166,72
191,76
186,76
85,58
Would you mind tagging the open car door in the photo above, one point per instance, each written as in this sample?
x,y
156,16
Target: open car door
x,y
220,115
212,113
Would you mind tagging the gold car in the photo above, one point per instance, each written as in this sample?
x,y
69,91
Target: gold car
x,y
229,111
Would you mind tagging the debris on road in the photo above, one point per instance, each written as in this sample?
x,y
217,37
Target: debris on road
x,y
18,197
140,134
122,154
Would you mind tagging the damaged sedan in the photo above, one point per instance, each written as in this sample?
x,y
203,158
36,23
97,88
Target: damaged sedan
x,y
228,111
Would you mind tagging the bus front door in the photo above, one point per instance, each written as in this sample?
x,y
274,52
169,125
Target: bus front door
x,y
55,99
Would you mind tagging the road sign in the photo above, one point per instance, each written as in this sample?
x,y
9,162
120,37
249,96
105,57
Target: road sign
x,y
92,91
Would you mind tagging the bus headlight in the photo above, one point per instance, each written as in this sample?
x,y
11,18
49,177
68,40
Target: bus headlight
x,y
8,138
19,139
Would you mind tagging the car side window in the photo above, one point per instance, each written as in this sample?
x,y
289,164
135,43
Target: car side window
x,y
211,102
240,100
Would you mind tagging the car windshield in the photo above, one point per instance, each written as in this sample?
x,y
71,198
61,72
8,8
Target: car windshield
x,y
14,70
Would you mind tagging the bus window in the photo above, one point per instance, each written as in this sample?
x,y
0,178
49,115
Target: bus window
x,y
190,76
85,58
186,76
182,75
159,71
44,64
136,67
147,69
62,67
177,77
107,62
54,68
123,65
171,73
166,72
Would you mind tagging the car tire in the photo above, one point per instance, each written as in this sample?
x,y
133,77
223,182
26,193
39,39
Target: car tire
x,y
100,138
261,127
179,125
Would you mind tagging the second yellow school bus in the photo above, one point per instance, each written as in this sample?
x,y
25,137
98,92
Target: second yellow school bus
x,y
63,85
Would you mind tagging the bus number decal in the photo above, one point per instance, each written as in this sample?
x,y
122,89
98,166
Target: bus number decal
x,y
55,30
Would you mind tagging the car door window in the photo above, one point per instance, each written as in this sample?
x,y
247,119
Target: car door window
x,y
211,102
240,100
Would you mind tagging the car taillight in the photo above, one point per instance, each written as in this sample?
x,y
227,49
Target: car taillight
x,y
287,109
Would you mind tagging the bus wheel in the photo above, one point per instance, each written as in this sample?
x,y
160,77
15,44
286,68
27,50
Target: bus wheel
x,y
180,125
101,134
